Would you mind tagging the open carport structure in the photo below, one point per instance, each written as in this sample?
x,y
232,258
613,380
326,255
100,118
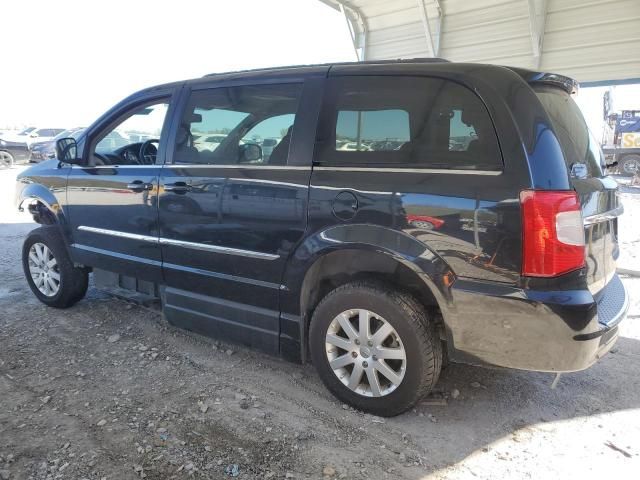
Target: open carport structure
x,y
594,41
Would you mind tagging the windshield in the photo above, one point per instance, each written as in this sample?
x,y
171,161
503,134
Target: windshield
x,y
576,141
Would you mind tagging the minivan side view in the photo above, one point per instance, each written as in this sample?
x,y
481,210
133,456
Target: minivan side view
x,y
402,214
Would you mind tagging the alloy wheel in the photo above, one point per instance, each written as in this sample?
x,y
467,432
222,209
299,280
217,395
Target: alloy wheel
x,y
44,269
365,352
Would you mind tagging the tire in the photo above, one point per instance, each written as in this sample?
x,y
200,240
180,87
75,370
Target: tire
x,y
41,246
6,159
630,165
413,332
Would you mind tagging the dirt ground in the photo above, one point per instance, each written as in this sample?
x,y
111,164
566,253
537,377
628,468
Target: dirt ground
x,y
108,390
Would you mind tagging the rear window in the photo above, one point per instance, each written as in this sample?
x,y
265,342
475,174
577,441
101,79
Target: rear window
x,y
412,122
577,142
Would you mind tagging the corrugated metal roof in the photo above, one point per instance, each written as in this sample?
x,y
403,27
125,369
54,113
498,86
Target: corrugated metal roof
x,y
590,40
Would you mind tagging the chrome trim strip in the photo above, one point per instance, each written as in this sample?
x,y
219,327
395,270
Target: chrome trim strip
x,y
222,276
605,216
116,233
179,243
118,255
117,167
409,170
217,249
253,167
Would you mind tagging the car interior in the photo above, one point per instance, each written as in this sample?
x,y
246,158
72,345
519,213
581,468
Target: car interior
x,y
233,114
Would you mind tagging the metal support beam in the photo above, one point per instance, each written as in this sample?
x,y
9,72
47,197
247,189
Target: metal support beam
x,y
427,28
433,40
357,28
537,23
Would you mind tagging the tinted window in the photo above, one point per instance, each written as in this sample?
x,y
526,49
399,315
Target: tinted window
x,y
576,141
226,126
374,130
406,121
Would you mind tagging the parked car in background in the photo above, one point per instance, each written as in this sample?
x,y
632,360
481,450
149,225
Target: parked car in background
x,y
19,137
43,134
13,152
40,151
209,142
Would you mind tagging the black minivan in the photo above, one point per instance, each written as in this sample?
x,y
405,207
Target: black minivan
x,y
410,212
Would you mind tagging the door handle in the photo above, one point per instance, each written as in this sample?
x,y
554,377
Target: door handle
x,y
178,187
139,186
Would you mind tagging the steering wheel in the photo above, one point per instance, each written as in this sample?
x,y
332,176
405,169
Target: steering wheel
x,y
150,157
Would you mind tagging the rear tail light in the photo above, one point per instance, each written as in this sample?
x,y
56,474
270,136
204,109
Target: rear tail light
x,y
552,233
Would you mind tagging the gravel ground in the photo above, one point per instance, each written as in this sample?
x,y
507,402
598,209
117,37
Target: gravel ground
x,y
108,390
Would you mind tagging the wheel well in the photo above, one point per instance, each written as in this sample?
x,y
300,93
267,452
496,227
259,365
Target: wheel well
x,y
41,213
345,266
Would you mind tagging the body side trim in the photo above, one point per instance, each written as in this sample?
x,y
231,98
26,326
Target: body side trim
x,y
179,243
223,276
110,253
409,170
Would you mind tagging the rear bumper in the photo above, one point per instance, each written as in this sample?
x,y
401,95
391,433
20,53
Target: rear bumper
x,y
551,331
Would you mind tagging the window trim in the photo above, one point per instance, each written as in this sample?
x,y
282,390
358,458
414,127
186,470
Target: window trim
x,y
329,113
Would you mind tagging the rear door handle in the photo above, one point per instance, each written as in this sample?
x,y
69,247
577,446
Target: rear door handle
x,y
139,186
178,187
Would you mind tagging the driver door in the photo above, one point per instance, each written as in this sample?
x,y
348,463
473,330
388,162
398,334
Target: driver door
x,y
112,197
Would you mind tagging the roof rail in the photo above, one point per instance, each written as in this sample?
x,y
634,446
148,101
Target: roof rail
x,y
366,62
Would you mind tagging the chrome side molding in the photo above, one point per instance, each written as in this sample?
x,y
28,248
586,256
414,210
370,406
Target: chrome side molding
x,y
179,243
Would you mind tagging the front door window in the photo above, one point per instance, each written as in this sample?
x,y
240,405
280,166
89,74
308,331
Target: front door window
x,y
134,140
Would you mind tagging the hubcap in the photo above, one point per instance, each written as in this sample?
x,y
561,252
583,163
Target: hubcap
x,y
44,270
365,353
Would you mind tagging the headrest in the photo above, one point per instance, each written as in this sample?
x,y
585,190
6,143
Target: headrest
x,y
182,135
194,118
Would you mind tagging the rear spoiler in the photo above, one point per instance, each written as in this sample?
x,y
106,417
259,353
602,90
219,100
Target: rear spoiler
x,y
567,84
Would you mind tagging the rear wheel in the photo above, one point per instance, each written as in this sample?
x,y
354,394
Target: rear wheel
x,y
375,348
630,165
49,271
6,159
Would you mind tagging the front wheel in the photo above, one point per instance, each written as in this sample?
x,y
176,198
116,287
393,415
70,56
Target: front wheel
x,y
375,348
49,271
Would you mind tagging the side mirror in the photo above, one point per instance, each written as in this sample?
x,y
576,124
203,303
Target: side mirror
x,y
250,152
67,150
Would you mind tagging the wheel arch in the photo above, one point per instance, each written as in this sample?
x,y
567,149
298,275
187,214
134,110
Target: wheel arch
x,y
322,263
42,204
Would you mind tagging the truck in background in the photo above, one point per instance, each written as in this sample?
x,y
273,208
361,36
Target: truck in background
x,y
621,140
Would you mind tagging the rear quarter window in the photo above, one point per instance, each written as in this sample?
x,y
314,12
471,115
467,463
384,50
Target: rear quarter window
x,y
578,145
413,122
